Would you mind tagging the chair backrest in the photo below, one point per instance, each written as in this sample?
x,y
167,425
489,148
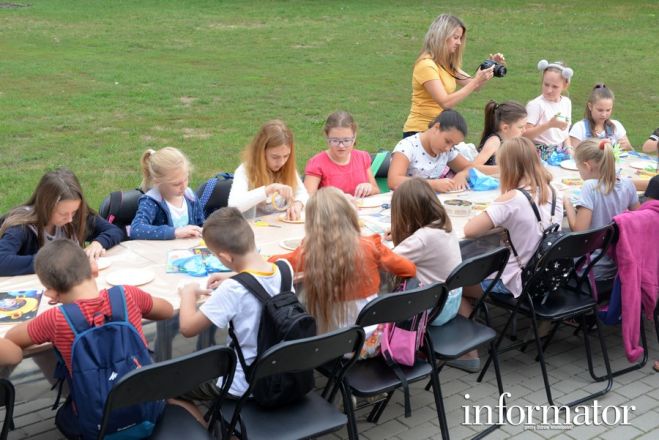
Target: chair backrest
x,y
119,208
383,168
171,378
7,395
218,198
395,307
475,269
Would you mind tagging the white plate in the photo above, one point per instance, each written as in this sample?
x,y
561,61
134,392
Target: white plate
x,y
643,164
290,244
103,263
455,191
569,165
130,277
368,203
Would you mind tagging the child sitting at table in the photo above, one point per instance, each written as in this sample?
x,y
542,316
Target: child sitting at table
x,y
421,231
502,122
268,176
550,114
66,273
56,209
597,122
431,154
603,195
519,167
168,209
341,267
341,166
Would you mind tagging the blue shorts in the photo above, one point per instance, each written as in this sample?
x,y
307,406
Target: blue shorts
x,y
499,288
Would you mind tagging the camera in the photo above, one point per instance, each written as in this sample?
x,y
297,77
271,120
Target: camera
x,y
499,69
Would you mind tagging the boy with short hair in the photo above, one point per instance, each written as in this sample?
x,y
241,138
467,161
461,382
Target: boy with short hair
x,y
66,273
228,235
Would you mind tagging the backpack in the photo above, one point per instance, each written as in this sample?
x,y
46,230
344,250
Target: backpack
x,y
214,193
101,355
283,319
119,208
558,273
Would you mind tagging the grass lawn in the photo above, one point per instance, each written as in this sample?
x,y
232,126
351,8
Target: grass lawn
x,y
91,84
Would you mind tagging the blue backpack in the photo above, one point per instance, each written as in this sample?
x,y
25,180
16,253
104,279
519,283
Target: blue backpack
x,y
100,356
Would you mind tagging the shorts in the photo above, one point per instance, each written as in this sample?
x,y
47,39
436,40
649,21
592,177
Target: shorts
x,y
498,289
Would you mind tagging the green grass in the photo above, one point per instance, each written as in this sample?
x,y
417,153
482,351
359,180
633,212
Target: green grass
x,y
90,85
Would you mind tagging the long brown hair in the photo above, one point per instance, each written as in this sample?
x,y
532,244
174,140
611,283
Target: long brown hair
x,y
600,152
415,205
600,91
272,134
54,187
519,164
507,112
331,256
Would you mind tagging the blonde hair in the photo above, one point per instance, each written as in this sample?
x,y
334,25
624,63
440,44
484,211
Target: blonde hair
x,y
434,44
272,134
157,165
519,165
601,153
54,187
332,256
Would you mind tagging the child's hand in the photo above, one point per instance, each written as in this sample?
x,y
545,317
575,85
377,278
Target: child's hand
x,y
193,289
189,231
294,212
387,234
444,185
363,190
95,250
215,279
460,181
558,121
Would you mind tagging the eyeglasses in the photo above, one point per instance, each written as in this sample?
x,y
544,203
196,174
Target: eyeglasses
x,y
335,142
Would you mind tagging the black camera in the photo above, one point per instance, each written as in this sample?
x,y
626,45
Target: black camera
x,y
499,69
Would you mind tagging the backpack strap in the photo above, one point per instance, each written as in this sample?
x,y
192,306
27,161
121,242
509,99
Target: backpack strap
x,y
74,317
208,191
286,276
535,207
117,298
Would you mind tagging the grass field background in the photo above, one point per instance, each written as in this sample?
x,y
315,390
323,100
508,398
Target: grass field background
x,y
91,84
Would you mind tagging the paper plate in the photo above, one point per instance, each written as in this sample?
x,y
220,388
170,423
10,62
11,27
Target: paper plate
x,y
643,164
282,218
368,203
130,277
569,165
455,191
480,206
103,263
290,244
572,181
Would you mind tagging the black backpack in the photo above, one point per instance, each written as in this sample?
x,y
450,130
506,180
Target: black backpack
x,y
120,207
283,319
558,273
214,193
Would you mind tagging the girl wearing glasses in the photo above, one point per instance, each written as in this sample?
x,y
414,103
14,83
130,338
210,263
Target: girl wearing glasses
x,y
341,166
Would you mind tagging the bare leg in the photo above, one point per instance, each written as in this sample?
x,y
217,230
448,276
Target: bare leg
x,y
470,294
191,408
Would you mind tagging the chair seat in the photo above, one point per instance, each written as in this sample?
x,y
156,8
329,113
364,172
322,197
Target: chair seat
x,y
562,304
176,423
459,336
370,377
311,416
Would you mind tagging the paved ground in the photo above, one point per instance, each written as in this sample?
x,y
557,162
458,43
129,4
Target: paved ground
x,y
521,376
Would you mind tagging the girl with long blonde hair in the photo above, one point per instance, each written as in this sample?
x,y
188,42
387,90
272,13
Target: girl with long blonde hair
x,y
56,209
268,172
341,267
169,209
438,70
603,195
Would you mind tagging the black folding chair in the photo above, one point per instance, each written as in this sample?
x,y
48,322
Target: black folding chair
x,y
169,379
572,300
462,335
311,416
7,395
373,377
119,208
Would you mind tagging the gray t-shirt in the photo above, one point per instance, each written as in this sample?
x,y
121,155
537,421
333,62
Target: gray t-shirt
x,y
605,207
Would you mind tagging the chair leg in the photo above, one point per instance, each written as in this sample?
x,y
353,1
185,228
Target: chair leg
x,y
541,358
549,337
439,404
353,434
378,409
513,316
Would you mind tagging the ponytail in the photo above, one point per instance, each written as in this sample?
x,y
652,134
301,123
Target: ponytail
x,y
490,125
145,162
600,152
157,166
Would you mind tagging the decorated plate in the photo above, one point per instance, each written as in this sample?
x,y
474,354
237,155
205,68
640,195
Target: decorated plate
x,y
282,218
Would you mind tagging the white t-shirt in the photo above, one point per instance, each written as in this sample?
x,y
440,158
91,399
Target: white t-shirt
x,y
516,215
255,202
423,164
578,131
179,215
540,111
232,302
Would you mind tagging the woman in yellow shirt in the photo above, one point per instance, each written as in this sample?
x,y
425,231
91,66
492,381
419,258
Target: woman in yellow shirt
x,y
437,71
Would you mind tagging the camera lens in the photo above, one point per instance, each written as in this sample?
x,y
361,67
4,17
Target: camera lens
x,y
500,71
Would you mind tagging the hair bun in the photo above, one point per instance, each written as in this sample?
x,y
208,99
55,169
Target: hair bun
x,y
542,65
567,73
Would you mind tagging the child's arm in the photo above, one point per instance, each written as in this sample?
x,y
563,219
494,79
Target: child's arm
x,y
191,320
650,145
489,149
294,258
19,335
625,144
10,353
460,165
311,183
142,227
478,225
102,234
160,310
393,262
577,219
398,174
11,243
